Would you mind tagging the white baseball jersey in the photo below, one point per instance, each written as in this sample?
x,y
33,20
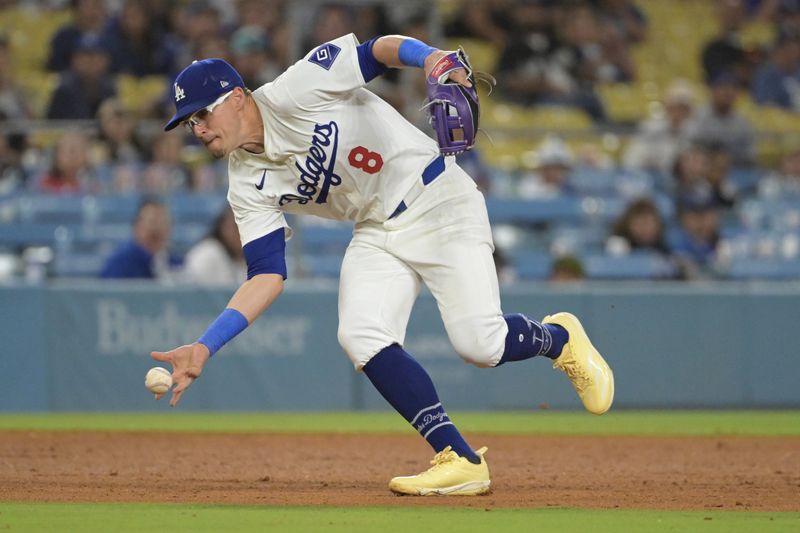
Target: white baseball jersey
x,y
332,148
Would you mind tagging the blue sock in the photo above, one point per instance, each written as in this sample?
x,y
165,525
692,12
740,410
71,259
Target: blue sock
x,y
527,338
409,389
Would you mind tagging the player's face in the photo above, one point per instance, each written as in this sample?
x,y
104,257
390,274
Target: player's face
x,y
213,126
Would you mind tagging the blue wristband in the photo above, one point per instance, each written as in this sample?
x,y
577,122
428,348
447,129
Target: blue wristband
x,y
413,52
227,325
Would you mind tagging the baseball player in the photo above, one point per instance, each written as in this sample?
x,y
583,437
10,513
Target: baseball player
x,y
315,141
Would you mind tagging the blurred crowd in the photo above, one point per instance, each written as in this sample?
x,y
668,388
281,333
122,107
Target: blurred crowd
x,y
696,147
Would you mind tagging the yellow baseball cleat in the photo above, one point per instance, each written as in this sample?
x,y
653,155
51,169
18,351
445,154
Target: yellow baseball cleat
x,y
450,475
583,364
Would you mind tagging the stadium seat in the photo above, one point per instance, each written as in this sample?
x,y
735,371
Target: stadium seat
x,y
483,55
199,208
530,265
85,265
636,266
17,235
328,238
561,209
327,266
139,94
764,269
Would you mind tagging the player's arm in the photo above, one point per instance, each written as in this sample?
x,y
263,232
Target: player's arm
x,y
266,270
400,51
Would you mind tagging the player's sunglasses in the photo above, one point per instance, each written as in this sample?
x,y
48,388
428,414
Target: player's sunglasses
x,y
201,115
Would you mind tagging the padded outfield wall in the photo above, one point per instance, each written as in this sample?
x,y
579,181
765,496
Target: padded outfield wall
x,y
86,347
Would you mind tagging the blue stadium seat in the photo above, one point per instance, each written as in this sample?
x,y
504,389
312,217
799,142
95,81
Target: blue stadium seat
x,y
111,209
199,208
322,265
530,265
41,208
328,238
78,265
588,181
561,209
637,265
578,240
21,234
765,269
745,180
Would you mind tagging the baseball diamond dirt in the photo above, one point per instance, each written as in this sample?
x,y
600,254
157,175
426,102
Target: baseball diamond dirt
x,y
676,473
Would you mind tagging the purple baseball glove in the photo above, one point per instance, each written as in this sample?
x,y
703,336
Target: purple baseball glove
x,y
454,109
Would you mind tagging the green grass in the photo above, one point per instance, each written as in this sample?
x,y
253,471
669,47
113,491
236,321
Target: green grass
x,y
664,423
174,518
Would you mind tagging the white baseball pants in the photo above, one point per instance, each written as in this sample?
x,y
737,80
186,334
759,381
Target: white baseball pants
x,y
444,240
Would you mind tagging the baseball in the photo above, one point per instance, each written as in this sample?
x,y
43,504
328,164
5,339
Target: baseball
x,y
158,380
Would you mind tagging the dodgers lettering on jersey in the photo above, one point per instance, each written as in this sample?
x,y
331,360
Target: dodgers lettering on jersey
x,y
331,148
318,165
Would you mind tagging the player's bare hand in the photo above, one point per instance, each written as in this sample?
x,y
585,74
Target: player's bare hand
x,y
187,364
458,76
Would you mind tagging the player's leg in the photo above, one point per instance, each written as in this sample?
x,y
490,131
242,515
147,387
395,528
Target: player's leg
x,y
376,294
450,246
452,252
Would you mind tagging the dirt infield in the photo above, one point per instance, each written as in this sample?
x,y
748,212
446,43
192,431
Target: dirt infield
x,y
527,471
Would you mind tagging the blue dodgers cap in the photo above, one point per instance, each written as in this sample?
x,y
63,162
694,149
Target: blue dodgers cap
x,y
199,84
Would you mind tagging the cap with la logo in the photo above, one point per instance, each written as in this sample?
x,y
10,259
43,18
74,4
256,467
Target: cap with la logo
x,y
199,84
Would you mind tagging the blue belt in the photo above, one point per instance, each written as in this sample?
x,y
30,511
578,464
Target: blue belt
x,y
431,172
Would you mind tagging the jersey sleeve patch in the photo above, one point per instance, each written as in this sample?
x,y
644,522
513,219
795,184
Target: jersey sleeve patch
x,y
325,55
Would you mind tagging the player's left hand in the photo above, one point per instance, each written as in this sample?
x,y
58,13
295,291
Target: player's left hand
x,y
187,364
459,76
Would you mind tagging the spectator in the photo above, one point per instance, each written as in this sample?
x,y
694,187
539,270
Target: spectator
x,y
726,53
718,123
12,101
552,176
89,18
371,20
567,269
196,24
250,55
719,166
85,85
330,21
145,255
136,44
539,67
218,259
583,52
695,243
625,17
639,228
267,15
524,63
487,20
777,81
119,143
166,172
70,171
659,140
704,170
691,170
785,181
13,174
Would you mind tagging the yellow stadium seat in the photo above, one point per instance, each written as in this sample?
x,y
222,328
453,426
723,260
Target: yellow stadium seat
x,y
38,87
627,103
510,116
482,54
138,94
30,32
